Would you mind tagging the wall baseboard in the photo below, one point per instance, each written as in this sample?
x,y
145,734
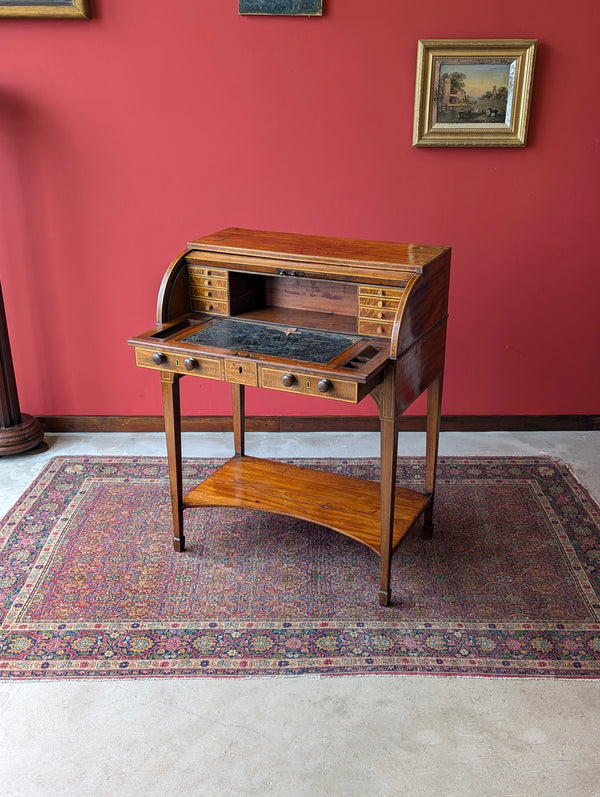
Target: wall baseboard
x,y
322,423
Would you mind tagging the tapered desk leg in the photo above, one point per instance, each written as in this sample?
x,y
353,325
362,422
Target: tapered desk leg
x,y
434,406
172,414
385,398
238,400
389,456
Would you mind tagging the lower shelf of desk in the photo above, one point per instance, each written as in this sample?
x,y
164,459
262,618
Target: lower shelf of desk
x,y
345,504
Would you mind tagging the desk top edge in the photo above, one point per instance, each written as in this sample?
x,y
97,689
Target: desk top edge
x,y
300,247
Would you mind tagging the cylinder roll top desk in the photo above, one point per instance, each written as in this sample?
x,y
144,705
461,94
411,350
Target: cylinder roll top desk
x,y
335,318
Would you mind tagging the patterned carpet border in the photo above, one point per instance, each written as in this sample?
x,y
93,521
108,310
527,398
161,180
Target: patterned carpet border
x,y
80,597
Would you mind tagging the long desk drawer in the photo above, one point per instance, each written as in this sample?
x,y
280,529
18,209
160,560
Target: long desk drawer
x,y
207,367
308,385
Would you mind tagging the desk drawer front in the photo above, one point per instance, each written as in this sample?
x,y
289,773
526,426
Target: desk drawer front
x,y
201,274
380,293
207,367
240,372
308,385
377,314
373,328
209,306
209,293
378,301
209,282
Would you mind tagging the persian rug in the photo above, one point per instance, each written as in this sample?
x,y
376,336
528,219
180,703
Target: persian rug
x,y
90,586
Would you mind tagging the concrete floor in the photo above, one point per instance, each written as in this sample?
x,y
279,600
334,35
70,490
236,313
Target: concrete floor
x,y
297,736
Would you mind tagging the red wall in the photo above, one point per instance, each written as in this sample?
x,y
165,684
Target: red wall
x,y
124,136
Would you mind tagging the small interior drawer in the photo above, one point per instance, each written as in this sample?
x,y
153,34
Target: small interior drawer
x,y
376,313
379,329
208,306
381,292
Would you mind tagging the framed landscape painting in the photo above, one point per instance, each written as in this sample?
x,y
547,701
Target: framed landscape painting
x,y
294,8
473,93
76,9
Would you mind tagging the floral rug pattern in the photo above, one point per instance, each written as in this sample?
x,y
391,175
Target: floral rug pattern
x,y
90,586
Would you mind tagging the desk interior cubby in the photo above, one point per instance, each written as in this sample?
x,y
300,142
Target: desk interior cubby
x,y
294,301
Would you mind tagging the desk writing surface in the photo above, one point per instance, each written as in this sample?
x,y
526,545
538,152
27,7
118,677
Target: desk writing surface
x,y
290,343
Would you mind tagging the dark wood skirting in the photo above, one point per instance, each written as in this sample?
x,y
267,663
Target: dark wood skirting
x,y
322,423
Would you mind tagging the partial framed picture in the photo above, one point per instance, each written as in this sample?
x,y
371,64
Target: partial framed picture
x,y
76,9
473,92
292,8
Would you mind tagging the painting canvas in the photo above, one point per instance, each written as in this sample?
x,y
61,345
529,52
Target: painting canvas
x,y
473,92
309,8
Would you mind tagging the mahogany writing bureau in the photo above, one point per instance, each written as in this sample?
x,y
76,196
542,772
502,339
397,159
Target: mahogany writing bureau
x,y
335,318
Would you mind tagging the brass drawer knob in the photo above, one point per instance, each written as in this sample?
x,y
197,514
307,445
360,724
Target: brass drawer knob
x,y
288,380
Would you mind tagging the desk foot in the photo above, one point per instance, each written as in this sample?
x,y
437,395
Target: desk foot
x,y
179,544
385,597
427,530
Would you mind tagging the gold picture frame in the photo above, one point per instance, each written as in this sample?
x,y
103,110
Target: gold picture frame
x,y
473,92
73,9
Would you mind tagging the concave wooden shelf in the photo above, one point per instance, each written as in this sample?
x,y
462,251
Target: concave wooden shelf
x,y
345,504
